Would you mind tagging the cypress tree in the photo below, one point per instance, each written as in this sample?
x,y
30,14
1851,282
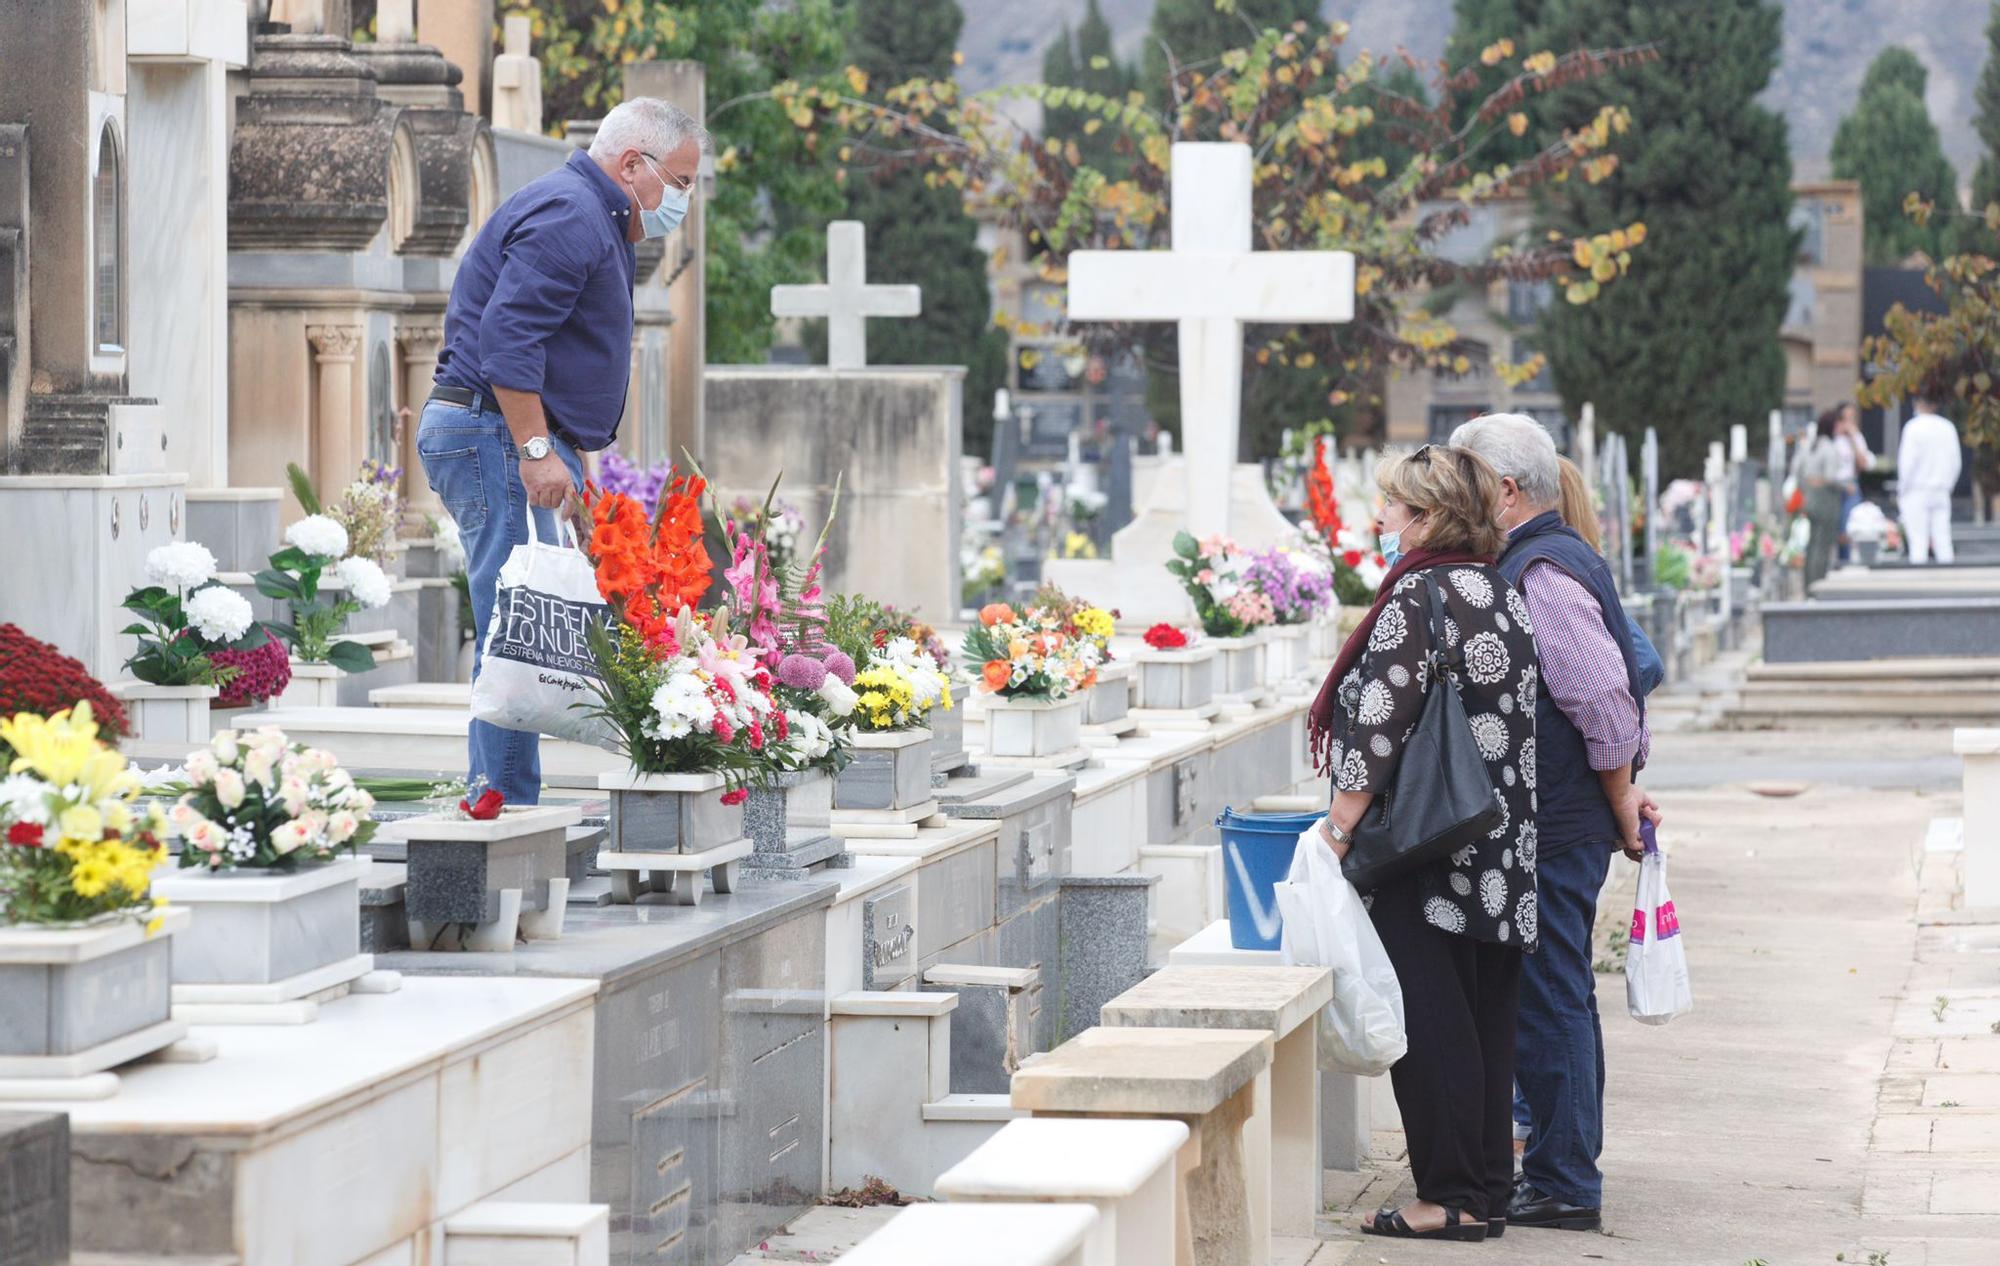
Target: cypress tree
x,y
1688,340
1986,176
1476,26
1890,145
1087,62
918,230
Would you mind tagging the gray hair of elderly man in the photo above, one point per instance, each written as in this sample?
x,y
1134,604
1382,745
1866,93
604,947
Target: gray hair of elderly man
x,y
1518,448
649,125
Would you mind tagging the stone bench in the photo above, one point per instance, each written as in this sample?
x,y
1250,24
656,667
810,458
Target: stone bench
x,y
1208,1079
1348,1104
1285,1002
978,1235
1980,751
1123,1169
510,1233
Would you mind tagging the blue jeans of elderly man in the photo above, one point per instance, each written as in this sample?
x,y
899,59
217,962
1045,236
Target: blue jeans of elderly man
x,y
537,352
1591,742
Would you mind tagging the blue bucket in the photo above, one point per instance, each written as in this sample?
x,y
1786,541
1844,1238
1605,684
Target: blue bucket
x,y
1256,853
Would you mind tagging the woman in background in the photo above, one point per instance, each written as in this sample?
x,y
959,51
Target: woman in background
x,y
1824,469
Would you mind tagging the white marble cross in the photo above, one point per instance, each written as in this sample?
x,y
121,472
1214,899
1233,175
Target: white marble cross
x,y
1213,284
846,300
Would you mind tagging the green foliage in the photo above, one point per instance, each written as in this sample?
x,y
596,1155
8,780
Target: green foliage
x,y
1688,341
1672,567
1986,121
293,578
302,488
170,653
1953,357
1198,32
1478,25
776,185
1086,62
1889,143
918,229
850,624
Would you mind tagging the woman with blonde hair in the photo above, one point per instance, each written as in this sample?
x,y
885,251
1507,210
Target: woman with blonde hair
x,y
1455,929
1579,508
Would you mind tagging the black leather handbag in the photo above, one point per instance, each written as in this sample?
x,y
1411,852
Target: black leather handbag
x,y
1442,798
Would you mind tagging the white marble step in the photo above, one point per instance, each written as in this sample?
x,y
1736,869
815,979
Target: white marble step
x,y
424,694
421,742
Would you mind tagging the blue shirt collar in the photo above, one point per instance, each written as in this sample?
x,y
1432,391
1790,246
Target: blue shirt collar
x,y
614,198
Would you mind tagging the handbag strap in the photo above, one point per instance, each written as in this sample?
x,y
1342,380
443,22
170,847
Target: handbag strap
x,y
1446,657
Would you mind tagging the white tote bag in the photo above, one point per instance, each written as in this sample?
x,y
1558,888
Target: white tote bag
x,y
537,664
1325,925
1656,967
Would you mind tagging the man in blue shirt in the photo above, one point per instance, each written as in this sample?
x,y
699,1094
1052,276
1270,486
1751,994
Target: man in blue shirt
x,y
537,352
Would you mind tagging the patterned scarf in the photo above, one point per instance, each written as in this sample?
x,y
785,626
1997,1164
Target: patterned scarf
x,y
1325,705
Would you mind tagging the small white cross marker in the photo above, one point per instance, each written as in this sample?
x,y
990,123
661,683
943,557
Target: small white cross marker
x,y
846,300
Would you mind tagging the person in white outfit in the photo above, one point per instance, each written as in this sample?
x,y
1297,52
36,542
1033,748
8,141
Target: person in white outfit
x,y
1927,466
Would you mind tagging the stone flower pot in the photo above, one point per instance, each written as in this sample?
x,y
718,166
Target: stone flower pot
x,y
1286,654
669,813
176,715
1240,665
460,870
891,771
78,1000
798,798
1177,681
1324,638
312,686
267,927
1108,702
1034,727
948,733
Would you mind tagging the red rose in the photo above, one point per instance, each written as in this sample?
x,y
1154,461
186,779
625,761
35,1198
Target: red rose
x,y
737,796
25,834
1165,637
488,807
1352,558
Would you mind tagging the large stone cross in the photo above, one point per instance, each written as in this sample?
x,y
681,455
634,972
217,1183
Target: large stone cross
x,y
1213,284
846,300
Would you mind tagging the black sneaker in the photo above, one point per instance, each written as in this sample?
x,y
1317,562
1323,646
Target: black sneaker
x,y
1531,1208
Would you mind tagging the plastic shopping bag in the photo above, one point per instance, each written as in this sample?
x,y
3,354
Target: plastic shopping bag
x,y
1656,969
537,662
1361,1030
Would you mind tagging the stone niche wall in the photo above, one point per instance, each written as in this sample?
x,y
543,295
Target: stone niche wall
x,y
891,435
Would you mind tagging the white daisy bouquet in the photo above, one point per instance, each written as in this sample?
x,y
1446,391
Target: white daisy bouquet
x,y
186,614
312,545
258,800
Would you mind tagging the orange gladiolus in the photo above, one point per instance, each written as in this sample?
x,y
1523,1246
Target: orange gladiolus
x,y
995,673
996,613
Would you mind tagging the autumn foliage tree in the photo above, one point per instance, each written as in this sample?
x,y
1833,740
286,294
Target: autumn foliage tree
x,y
1317,123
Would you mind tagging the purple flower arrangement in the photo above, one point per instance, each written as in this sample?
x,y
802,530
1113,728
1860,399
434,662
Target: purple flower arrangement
x,y
616,474
1298,590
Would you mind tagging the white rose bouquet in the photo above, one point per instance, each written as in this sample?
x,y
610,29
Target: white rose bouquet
x,y
258,800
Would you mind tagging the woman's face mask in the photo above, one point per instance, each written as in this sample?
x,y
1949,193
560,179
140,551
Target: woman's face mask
x,y
1391,538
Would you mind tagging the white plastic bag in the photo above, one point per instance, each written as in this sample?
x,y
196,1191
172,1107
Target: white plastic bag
x,y
1361,1030
537,662
1656,969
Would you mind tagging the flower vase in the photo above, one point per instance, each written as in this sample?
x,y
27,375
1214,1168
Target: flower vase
x,y
947,729
263,938
890,772
1109,702
169,716
312,686
1240,669
1040,730
665,830
86,998
1285,647
1178,683
787,820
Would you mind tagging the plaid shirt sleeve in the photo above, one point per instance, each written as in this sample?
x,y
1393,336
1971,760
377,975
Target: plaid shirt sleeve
x,y
1582,667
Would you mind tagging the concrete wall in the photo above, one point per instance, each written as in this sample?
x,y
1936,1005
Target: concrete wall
x,y
892,435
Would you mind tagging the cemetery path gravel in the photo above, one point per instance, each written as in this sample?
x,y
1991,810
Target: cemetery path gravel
x,y
1741,1132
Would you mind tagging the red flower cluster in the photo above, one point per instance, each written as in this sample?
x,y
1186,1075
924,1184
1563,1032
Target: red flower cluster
x,y
1165,637
264,673
737,796
486,809
36,677
25,834
1320,499
648,569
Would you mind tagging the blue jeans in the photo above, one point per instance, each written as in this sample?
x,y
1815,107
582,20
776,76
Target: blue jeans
x,y
1559,1043
471,463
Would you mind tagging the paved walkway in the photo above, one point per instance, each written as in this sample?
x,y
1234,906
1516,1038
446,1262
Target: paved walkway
x,y
1818,1102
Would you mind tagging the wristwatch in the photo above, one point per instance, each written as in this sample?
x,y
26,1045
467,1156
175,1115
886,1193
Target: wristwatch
x,y
537,448
1336,834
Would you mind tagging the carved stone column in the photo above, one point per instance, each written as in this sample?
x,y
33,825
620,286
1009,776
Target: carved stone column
x,y
336,443
420,345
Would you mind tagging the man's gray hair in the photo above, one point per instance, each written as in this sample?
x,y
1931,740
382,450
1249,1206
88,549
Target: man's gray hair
x,y
1518,448
649,125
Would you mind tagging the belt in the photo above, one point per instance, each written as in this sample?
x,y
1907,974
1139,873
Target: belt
x,y
466,397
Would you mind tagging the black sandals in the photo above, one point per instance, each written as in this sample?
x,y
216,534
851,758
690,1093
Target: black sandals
x,y
1389,1222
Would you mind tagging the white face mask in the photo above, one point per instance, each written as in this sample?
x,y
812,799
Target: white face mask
x,y
660,220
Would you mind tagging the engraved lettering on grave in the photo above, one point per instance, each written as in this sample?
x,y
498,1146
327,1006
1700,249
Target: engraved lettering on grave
x,y
662,1189
1186,777
889,937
